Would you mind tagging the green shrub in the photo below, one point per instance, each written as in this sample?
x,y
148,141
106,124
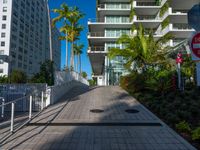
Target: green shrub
x,y
183,127
133,82
18,76
196,134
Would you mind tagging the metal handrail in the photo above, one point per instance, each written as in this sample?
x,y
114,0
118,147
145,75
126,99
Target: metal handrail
x,y
18,99
12,103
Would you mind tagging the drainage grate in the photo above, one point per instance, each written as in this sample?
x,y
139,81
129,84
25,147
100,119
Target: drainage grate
x,y
96,110
132,111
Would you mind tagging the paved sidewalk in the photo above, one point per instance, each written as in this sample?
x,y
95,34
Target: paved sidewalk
x,y
70,125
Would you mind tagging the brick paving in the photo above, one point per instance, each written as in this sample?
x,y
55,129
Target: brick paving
x,y
70,125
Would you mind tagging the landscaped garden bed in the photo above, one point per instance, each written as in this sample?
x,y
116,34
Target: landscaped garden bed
x,y
180,110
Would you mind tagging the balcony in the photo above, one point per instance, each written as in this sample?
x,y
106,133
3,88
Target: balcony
x,y
106,35
144,8
115,6
147,4
113,9
179,30
181,26
109,20
148,21
97,48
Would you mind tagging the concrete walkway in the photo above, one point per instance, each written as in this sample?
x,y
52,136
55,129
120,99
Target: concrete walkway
x,y
70,125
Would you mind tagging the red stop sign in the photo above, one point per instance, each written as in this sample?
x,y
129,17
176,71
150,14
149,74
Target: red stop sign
x,y
195,45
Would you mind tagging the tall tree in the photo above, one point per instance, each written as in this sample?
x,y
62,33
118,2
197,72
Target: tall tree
x,y
71,28
63,14
75,28
78,51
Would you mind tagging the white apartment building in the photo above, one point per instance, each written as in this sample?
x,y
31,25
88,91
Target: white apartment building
x,y
24,36
113,20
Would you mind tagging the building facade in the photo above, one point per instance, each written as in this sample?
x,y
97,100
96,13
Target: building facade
x,y
24,29
56,48
113,20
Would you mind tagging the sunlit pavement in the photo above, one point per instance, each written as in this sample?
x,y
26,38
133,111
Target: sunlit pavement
x,y
71,124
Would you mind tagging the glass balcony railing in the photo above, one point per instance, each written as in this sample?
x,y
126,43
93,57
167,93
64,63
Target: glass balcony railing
x,y
179,11
109,34
147,18
180,26
97,48
147,4
115,6
96,34
110,20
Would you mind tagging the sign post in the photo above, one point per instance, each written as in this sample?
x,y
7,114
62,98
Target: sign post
x,y
194,22
195,52
179,60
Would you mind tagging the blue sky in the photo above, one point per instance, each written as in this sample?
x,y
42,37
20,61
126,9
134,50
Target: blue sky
x,y
88,7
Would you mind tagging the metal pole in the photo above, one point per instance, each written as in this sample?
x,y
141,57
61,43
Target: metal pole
x,y
12,117
30,107
42,101
2,108
179,75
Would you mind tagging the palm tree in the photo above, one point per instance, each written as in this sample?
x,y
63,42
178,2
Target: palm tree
x,y
78,51
75,30
142,50
63,14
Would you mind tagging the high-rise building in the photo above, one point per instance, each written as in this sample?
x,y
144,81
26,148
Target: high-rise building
x,y
24,35
56,48
113,20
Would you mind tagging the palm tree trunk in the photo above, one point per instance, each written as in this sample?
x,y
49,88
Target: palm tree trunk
x,y
77,63
72,53
80,63
67,52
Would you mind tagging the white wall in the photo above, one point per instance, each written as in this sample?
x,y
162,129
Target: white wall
x,y
5,48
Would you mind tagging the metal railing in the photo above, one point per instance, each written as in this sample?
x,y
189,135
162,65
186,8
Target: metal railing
x,y
23,109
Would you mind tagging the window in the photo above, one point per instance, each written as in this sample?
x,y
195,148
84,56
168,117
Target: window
x,y
1,61
2,43
4,17
5,1
4,9
1,52
3,26
1,70
3,34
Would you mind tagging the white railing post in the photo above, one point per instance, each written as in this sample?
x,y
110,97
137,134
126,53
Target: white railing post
x,y
2,108
12,117
42,101
30,107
